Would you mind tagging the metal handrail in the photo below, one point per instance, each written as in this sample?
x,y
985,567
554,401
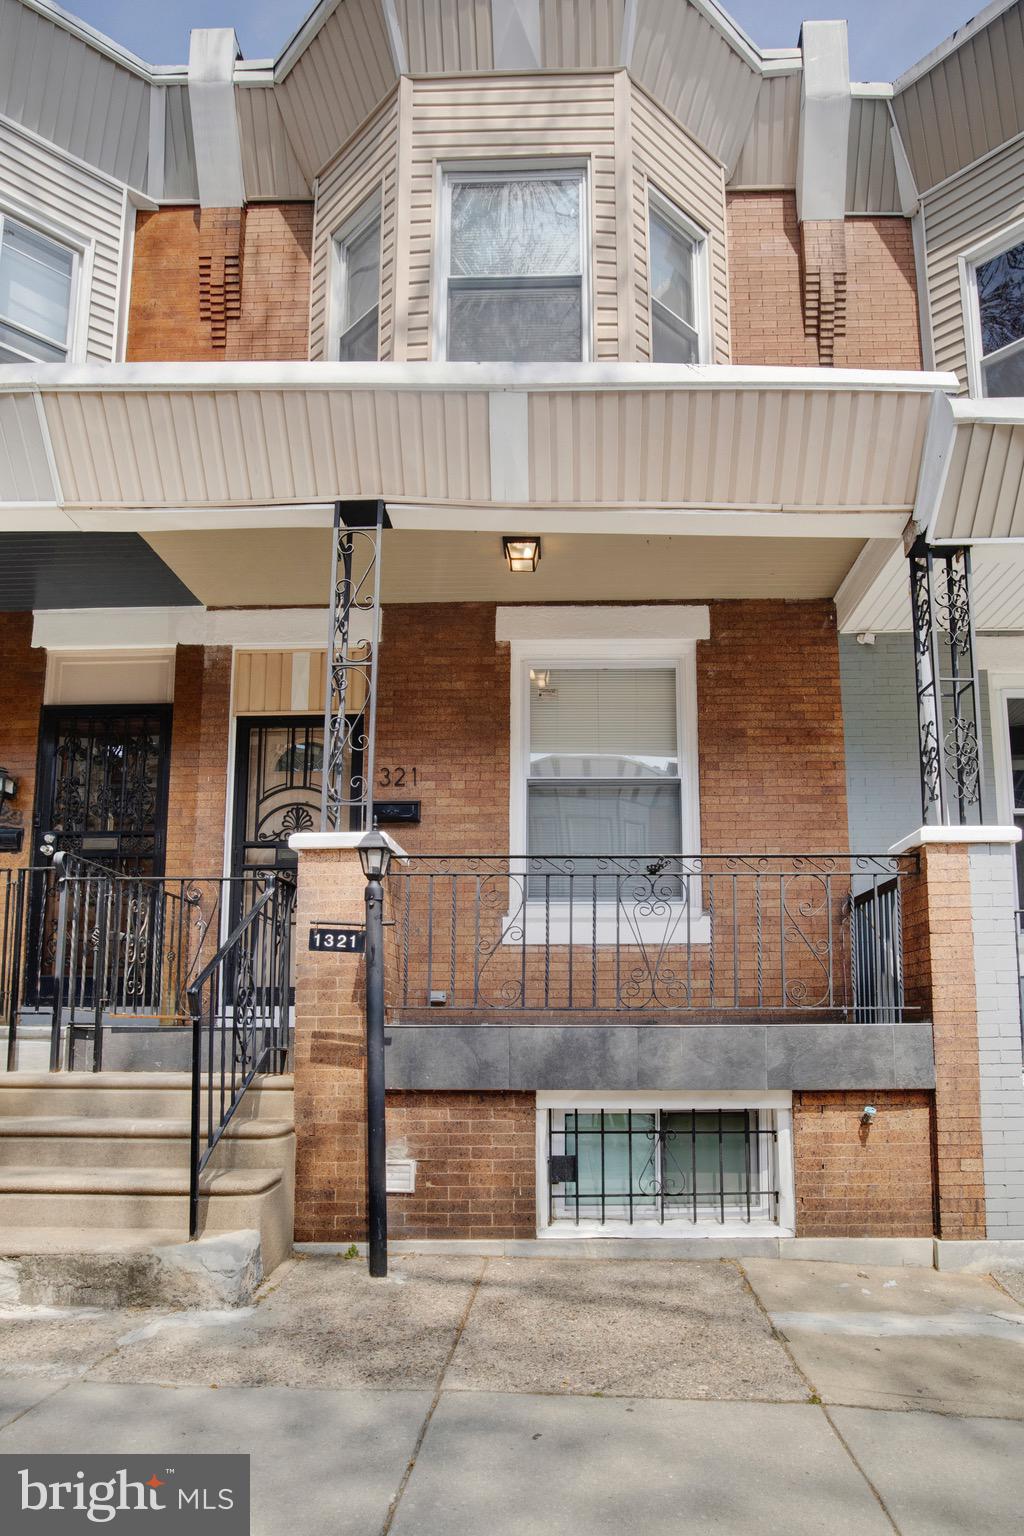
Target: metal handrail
x,y
242,994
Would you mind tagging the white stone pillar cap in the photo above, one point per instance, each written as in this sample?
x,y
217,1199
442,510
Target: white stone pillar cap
x,y
311,842
926,836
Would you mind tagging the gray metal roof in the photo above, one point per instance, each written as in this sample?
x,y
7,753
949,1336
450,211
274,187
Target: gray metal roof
x,y
85,570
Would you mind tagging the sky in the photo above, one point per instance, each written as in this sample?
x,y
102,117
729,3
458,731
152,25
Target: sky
x,y
886,36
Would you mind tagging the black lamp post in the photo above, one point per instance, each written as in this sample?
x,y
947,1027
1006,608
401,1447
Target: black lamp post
x,y
375,857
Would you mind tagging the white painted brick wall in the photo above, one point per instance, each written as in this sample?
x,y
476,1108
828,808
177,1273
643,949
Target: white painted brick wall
x,y
999,1038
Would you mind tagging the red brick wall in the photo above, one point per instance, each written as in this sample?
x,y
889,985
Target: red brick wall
x,y
766,295
197,794
476,1172
22,678
938,959
164,320
863,1181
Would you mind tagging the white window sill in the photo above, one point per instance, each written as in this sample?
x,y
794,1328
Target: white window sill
x,y
541,923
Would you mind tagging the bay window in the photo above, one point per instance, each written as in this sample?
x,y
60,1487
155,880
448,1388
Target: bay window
x,y
676,256
997,284
512,267
357,288
36,288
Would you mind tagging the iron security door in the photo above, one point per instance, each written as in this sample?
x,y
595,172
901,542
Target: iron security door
x,y
278,785
102,793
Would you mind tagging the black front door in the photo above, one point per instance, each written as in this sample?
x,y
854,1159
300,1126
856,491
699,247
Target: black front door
x,y
278,781
101,792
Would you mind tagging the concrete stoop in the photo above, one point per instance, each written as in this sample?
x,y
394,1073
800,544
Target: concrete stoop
x,y
94,1180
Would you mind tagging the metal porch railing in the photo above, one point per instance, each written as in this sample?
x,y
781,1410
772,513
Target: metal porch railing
x,y
792,934
239,1005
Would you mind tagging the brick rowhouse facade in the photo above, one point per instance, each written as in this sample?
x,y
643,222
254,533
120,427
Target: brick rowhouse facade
x,y
22,680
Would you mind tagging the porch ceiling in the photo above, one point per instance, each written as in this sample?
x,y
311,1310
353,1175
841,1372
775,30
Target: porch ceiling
x,y
230,568
883,604
596,448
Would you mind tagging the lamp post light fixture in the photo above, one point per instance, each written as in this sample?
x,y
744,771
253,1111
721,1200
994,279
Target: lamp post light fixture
x,y
522,552
375,857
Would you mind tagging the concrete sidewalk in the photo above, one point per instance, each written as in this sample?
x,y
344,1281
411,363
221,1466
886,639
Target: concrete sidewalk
x,y
561,1396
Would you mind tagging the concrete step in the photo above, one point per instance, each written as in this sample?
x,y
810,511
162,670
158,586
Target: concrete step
x,y
115,1267
69,1141
129,1095
147,1199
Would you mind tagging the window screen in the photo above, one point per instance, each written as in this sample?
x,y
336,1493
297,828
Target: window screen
x,y
359,256
515,275
35,295
604,762
1000,283
673,262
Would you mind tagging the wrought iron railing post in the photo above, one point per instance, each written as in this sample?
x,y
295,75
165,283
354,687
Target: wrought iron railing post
x,y
104,894
349,740
59,961
16,959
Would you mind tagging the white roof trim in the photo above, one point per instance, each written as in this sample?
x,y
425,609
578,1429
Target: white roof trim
x,y
47,378
665,621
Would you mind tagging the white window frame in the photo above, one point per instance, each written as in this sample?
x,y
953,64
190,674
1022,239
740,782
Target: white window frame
x,y
666,209
775,1101
81,250
338,322
551,922
1002,687
1010,235
451,174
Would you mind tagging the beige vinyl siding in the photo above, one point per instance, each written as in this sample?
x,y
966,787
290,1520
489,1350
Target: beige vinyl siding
x,y
367,166
768,156
336,83
870,166
509,117
958,217
269,165
676,166
263,683
36,179
446,36
180,182
580,33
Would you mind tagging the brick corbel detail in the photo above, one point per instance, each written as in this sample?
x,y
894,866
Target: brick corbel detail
x,y
940,985
823,246
221,235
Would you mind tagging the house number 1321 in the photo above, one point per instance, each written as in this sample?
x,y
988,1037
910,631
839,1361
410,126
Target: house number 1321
x,y
396,778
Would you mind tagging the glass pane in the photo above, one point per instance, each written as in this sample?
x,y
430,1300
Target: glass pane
x,y
603,818
362,272
512,325
14,342
698,1161
1001,301
1015,723
359,343
522,228
672,268
284,782
670,341
617,1163
1004,376
35,282
603,722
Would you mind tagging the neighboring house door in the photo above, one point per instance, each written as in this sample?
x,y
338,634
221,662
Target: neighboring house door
x,y
101,792
278,782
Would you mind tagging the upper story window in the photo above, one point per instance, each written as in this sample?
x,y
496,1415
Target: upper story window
x,y
36,285
676,260
512,267
999,286
357,288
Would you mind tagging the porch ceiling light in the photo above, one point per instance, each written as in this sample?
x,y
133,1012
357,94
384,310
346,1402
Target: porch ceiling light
x,y
374,855
522,553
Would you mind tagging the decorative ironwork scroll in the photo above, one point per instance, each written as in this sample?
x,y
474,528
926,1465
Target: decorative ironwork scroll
x,y
351,702
948,696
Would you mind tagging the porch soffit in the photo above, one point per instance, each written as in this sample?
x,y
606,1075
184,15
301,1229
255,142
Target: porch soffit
x,y
600,448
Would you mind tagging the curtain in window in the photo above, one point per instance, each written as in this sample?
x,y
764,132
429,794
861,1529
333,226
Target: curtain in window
x,y
528,228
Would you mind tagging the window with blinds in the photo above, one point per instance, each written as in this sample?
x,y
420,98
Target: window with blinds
x,y
603,774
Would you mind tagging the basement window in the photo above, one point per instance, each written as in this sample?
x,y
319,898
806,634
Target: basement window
x,y
357,287
650,1166
512,267
37,279
676,259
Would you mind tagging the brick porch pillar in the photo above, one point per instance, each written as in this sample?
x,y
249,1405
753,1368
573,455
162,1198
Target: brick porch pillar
x,y
330,1053
960,960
